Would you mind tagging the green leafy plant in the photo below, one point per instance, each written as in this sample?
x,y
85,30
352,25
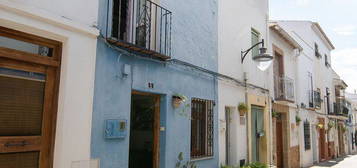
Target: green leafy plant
x,y
330,124
181,164
274,114
255,165
297,119
226,166
242,108
344,128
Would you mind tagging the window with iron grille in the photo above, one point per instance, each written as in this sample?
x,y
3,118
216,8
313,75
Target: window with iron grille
x,y
201,128
317,53
317,98
307,139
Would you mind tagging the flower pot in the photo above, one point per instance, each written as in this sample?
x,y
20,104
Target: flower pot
x,y
242,112
176,102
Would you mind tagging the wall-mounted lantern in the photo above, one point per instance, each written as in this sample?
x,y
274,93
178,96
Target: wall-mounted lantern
x,y
263,59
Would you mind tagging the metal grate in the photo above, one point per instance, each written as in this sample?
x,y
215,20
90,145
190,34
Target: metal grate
x,y
284,88
140,25
307,139
201,128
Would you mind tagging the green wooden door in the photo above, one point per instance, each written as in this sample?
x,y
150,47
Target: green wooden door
x,y
257,130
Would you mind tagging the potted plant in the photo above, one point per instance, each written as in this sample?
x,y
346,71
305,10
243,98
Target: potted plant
x,y
344,129
242,108
330,124
178,99
297,119
274,114
181,164
320,126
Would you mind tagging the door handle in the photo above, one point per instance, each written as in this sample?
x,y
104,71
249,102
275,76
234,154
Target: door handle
x,y
12,144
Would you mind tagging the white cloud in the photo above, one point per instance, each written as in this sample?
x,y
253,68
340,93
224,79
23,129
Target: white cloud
x,y
346,30
345,64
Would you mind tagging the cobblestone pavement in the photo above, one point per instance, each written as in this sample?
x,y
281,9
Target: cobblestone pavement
x,y
350,161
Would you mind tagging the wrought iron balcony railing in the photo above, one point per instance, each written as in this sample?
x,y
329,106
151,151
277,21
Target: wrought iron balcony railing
x,y
140,25
339,109
284,88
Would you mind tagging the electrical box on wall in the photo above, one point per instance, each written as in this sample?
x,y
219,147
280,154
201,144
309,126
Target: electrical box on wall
x,y
115,128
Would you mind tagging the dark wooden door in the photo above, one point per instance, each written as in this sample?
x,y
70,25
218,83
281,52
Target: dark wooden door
x,y
144,131
279,144
322,143
28,99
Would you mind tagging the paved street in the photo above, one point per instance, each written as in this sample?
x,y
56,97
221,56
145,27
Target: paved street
x,y
349,161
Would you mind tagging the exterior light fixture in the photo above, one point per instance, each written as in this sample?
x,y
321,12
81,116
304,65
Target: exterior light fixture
x,y
262,60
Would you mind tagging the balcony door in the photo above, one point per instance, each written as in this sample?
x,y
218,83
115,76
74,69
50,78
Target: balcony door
x,y
28,93
278,71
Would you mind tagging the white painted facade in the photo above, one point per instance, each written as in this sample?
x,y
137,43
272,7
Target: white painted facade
x,y
236,19
308,33
283,44
70,22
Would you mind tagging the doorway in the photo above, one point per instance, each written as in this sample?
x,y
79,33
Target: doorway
x,y
257,129
228,134
144,130
322,141
29,78
279,142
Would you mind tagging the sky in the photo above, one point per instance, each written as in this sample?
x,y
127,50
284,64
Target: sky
x,y
338,18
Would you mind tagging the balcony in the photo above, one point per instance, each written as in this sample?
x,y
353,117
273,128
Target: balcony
x,y
284,89
339,109
141,26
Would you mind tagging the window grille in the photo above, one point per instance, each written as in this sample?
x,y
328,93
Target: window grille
x,y
201,128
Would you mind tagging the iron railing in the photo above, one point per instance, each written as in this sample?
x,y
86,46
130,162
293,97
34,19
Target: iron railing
x,y
284,88
140,25
339,108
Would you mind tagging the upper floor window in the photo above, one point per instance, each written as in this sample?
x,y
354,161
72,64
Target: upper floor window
x,y
317,53
327,64
140,25
317,98
255,35
201,128
310,89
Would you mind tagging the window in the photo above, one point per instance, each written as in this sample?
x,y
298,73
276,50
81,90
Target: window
x,y
310,91
317,98
201,128
317,53
327,64
138,25
307,135
255,40
120,19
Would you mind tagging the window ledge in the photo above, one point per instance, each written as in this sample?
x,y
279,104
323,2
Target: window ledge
x,y
202,158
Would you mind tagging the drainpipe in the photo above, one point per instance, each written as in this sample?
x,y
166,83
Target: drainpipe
x,y
245,78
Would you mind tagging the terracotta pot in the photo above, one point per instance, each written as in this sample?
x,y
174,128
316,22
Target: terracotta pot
x,y
176,102
242,112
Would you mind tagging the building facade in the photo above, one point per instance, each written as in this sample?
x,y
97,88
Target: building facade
x,y
156,83
47,65
243,135
286,51
313,85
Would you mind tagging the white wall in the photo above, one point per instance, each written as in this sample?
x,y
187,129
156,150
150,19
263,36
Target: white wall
x,y
236,18
44,18
306,35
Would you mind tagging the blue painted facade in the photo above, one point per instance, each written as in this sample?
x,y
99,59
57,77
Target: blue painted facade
x,y
194,40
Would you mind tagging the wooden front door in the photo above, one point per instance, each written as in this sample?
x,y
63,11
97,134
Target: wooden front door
x,y
144,131
279,143
322,141
29,78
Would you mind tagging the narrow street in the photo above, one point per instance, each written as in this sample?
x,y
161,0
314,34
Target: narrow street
x,y
350,161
